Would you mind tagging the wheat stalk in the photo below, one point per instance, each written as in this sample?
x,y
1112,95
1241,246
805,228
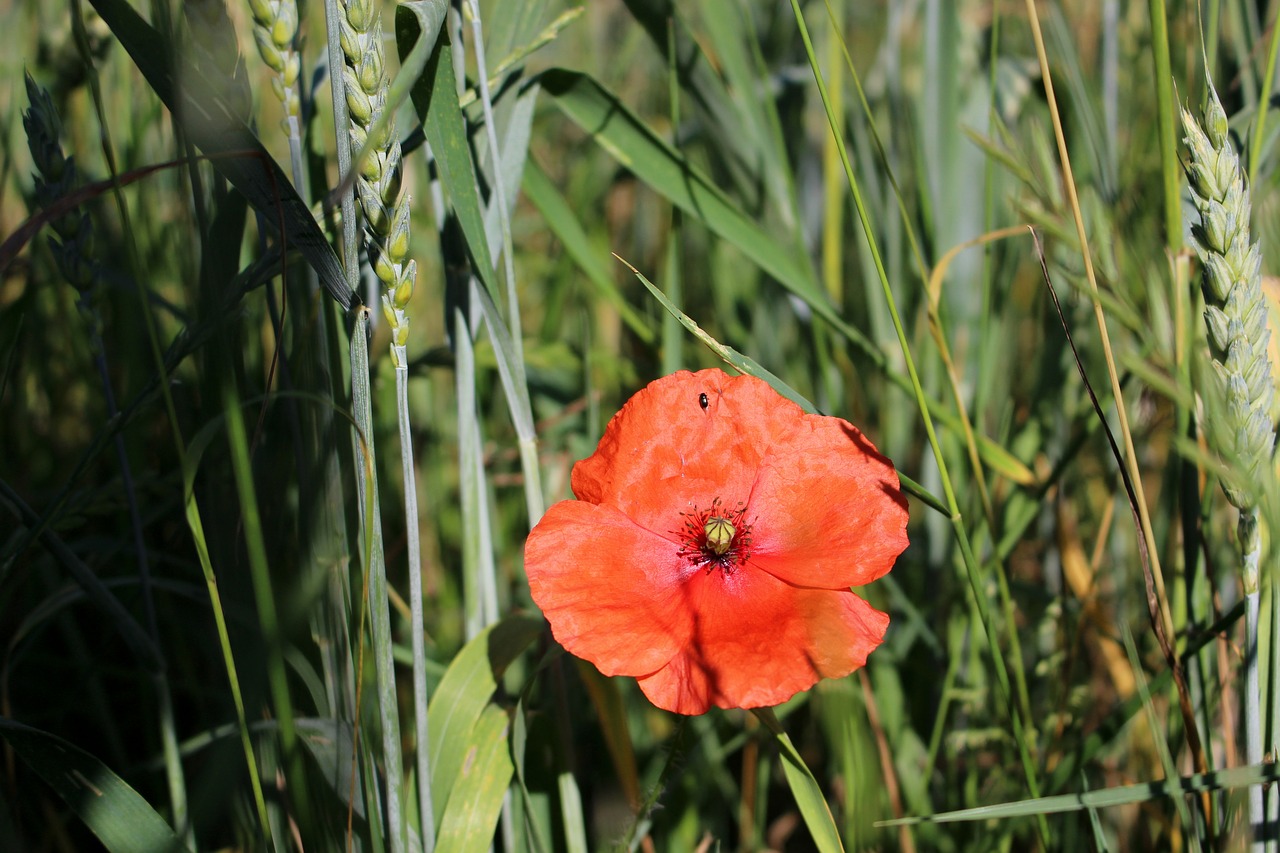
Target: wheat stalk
x,y
386,214
1243,433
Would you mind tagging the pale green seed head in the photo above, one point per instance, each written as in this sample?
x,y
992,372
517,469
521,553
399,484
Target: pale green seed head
x,y
720,533
359,105
285,26
361,14
270,53
262,12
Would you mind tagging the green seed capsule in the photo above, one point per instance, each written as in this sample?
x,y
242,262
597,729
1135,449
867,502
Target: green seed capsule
x,y
720,533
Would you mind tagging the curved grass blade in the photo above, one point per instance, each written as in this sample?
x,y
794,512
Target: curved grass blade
x,y
616,129
121,819
1217,780
805,788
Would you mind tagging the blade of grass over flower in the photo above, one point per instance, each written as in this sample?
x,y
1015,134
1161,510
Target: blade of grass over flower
x,y
1102,798
733,358
118,816
961,534
747,365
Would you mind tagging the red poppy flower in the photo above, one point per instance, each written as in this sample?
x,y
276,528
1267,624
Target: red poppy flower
x,y
717,531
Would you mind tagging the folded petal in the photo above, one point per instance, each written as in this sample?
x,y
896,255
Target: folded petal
x,y
828,509
758,641
612,591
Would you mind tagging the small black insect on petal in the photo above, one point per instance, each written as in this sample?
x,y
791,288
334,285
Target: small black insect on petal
x,y
703,402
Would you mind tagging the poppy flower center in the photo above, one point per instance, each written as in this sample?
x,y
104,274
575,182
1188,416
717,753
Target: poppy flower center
x,y
716,537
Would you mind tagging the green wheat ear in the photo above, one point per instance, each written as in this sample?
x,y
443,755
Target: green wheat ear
x,y
275,31
56,176
386,214
1235,311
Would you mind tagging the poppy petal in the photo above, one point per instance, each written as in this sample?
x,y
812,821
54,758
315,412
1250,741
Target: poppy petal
x,y
611,589
759,641
663,453
830,513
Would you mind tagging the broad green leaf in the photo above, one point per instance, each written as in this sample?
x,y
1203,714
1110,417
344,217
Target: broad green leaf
x,y
231,146
435,99
464,692
479,785
112,810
